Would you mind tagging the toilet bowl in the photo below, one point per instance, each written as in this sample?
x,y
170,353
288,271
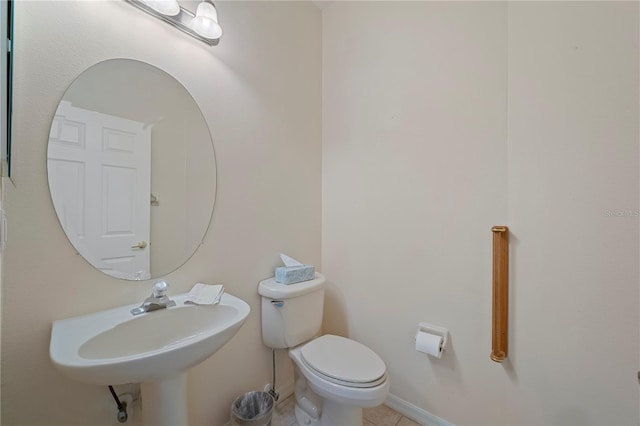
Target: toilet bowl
x,y
345,374
335,376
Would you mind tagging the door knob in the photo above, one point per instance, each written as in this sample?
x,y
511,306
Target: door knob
x,y
140,245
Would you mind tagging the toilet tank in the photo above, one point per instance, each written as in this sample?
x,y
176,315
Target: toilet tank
x,y
291,314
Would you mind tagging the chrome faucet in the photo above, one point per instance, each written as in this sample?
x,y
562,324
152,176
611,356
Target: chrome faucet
x,y
157,300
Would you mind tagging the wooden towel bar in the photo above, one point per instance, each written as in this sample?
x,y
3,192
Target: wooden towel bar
x,y
500,292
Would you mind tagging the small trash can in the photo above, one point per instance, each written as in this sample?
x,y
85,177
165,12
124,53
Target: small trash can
x,y
252,409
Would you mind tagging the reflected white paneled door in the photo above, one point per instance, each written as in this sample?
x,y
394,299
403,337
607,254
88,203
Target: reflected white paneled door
x,y
102,166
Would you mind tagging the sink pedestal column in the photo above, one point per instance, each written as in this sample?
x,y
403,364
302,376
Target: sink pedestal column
x,y
164,402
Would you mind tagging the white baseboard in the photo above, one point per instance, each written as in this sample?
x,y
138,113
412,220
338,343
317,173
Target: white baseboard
x,y
285,391
403,407
416,414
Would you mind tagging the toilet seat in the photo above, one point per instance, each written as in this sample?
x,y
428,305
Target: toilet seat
x,y
344,362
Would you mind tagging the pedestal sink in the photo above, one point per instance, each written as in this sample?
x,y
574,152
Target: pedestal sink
x,y
155,349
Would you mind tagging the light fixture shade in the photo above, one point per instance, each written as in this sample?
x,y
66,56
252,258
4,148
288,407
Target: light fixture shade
x,y
206,21
165,7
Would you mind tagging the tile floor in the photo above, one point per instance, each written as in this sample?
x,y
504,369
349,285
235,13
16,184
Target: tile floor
x,y
378,416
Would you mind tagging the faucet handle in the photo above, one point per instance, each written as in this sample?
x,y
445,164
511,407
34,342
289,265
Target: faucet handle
x,y
160,288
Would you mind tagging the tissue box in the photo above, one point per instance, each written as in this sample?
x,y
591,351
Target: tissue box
x,y
295,274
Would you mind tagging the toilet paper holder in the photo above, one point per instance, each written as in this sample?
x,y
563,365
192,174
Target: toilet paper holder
x,y
433,329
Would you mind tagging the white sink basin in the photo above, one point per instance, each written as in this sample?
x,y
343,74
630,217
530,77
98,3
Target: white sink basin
x,y
114,347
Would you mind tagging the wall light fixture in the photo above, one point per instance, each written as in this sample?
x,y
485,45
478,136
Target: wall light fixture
x,y
203,25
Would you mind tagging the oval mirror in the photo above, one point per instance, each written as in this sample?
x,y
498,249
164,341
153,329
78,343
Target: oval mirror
x,y
131,169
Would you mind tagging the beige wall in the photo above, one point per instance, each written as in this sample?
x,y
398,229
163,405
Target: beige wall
x,y
443,119
259,91
459,116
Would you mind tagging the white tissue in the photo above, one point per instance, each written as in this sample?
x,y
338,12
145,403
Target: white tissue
x,y
428,343
205,294
289,261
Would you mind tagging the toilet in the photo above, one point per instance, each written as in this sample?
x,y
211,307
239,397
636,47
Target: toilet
x,y
335,377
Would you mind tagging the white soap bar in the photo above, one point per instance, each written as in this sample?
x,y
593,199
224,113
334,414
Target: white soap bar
x,y
205,294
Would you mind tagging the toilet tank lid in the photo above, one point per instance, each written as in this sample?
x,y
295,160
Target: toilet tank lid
x,y
274,290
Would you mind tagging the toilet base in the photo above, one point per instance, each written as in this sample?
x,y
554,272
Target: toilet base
x,y
304,419
333,414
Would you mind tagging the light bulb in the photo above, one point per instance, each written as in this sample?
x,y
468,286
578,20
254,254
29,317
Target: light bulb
x,y
206,21
165,7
